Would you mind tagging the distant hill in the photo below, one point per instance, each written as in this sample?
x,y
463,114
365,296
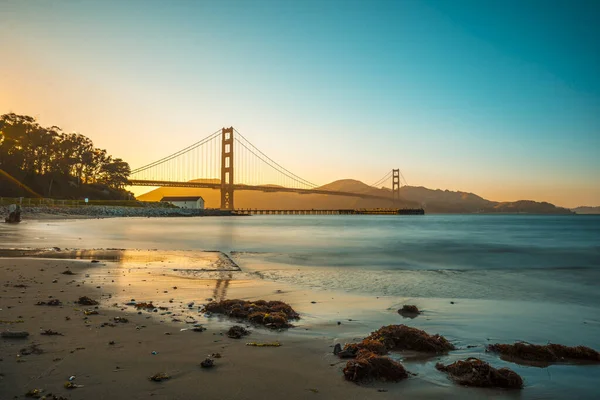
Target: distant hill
x,y
586,210
434,201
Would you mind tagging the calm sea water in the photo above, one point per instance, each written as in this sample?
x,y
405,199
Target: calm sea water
x,y
546,258
510,277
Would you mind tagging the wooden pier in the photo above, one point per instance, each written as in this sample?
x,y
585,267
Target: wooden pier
x,y
377,211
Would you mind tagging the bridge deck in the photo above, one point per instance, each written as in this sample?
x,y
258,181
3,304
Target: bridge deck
x,y
202,185
391,211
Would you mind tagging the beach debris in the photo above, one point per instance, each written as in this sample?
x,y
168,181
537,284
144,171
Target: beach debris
x,y
207,363
198,328
35,393
53,302
122,320
68,272
237,332
550,353
71,385
95,261
268,344
14,334
273,314
161,376
154,353
31,349
409,311
475,372
216,355
314,390
72,378
50,332
86,301
402,337
16,321
112,342
144,305
368,366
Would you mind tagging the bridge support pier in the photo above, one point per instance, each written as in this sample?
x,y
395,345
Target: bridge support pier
x,y
227,169
395,186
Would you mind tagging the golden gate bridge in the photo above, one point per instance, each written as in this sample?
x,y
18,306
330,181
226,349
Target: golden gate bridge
x,y
227,161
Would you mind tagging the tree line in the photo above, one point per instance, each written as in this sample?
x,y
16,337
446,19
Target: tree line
x,y
53,163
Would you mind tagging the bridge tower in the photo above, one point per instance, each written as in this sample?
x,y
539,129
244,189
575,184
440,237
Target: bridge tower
x,y
395,186
227,169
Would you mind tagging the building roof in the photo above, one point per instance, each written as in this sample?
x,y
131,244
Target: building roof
x,y
181,198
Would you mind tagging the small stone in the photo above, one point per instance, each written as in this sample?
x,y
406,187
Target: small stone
x,y
207,363
337,349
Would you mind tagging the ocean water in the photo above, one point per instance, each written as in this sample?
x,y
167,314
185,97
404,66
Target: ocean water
x,y
510,257
480,278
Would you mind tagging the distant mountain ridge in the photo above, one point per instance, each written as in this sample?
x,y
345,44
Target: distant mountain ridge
x,y
433,201
586,210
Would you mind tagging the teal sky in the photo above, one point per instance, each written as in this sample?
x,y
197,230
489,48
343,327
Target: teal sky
x,y
500,98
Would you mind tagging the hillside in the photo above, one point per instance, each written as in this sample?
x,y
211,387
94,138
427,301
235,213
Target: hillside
x,y
434,201
586,210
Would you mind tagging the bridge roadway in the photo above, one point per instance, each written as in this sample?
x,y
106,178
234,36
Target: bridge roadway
x,y
203,185
376,211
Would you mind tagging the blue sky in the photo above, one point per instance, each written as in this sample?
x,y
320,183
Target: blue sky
x,y
500,98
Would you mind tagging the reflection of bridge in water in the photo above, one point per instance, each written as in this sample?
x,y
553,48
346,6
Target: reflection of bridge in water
x,y
213,162
221,286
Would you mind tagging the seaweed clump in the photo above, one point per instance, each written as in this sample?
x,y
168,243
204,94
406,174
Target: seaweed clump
x,y
237,332
272,314
368,366
373,346
86,301
159,377
409,311
475,372
549,353
402,337
144,305
53,302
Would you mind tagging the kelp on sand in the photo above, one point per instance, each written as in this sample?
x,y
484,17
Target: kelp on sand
x,y
400,337
475,372
368,366
272,314
551,353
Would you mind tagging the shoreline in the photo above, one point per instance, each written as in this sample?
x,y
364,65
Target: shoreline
x,y
96,212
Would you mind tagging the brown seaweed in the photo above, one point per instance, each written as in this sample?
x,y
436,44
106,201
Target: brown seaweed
x,y
368,366
475,372
551,353
402,337
272,314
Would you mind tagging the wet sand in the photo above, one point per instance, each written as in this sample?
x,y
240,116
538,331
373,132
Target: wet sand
x,y
298,369
303,367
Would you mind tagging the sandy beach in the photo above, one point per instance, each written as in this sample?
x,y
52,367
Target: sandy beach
x,y
298,369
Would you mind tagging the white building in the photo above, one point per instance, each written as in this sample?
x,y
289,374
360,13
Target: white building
x,y
195,202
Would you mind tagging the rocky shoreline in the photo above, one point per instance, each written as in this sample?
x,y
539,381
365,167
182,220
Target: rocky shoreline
x,y
113,211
